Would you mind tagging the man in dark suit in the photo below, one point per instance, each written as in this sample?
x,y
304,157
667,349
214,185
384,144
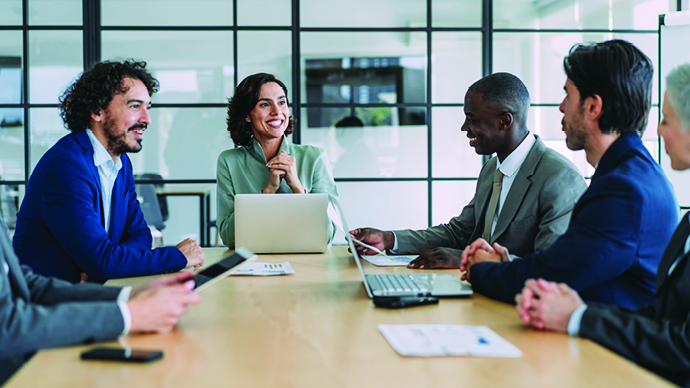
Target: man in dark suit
x,y
656,336
620,225
37,312
532,206
80,218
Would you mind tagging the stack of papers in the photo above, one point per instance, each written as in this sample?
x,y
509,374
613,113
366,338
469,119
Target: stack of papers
x,y
447,340
389,261
265,269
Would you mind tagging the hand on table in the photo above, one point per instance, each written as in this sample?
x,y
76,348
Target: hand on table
x,y
481,250
157,305
192,251
438,258
547,305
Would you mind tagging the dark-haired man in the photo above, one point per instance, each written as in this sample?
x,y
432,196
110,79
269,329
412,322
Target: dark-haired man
x,y
80,218
620,225
524,194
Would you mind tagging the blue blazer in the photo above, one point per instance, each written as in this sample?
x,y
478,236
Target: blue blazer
x,y
60,224
617,234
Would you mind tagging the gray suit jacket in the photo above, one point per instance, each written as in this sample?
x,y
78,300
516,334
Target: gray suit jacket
x,y
37,312
536,210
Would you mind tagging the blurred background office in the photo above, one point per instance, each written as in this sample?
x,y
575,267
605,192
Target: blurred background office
x,y
401,66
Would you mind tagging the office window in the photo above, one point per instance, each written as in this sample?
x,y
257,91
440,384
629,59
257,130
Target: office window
x,y
452,156
278,13
55,12
183,143
579,14
192,66
166,13
11,12
456,60
363,13
537,58
402,67
449,198
45,130
55,59
265,52
456,13
381,147
389,205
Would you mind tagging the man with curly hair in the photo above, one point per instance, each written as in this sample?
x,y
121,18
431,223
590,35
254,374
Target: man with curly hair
x,y
80,218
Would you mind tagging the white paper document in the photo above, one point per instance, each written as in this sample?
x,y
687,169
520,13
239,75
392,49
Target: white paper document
x,y
265,269
447,340
389,261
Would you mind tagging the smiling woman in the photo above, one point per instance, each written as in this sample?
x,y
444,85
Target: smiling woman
x,y
266,162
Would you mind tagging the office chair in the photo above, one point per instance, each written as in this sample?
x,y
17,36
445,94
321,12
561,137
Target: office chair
x,y
162,200
148,200
8,205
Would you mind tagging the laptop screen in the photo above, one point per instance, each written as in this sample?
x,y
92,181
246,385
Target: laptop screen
x,y
341,223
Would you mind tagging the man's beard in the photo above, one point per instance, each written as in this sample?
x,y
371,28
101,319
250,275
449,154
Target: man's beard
x,y
117,142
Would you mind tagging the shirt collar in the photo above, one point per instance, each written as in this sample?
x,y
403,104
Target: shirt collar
x,y
101,156
511,164
284,146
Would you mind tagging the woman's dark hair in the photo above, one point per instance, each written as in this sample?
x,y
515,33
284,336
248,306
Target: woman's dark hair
x,y
621,75
246,96
96,87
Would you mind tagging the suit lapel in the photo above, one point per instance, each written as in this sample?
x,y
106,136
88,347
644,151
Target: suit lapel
x,y
518,189
117,205
83,140
673,249
484,187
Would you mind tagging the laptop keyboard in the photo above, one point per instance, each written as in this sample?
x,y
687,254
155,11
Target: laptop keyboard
x,y
395,283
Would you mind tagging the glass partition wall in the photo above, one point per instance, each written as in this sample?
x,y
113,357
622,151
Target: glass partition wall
x,y
401,66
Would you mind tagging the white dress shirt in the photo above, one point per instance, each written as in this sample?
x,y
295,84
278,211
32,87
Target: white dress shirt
x,y
107,171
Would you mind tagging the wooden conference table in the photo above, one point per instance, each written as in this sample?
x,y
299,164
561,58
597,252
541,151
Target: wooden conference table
x,y
317,328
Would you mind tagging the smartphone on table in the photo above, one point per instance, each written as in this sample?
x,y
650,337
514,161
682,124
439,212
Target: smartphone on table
x,y
122,354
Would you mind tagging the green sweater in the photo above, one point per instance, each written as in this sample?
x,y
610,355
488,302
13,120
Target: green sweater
x,y
243,171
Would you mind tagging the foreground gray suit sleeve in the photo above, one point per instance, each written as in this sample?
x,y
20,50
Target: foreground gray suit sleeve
x,y
38,312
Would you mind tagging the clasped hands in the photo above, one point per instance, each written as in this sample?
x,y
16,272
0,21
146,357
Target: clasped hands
x,y
448,258
282,166
547,305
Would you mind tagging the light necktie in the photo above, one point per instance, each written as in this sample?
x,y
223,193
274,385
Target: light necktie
x,y
493,204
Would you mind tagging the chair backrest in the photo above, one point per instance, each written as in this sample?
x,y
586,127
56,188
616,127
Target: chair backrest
x,y
162,200
148,200
8,207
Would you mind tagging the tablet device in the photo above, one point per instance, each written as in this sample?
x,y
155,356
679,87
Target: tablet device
x,y
218,271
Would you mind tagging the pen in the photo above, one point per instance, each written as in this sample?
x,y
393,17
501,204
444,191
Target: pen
x,y
368,246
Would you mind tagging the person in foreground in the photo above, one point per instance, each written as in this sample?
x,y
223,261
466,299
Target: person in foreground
x,y
620,225
38,312
265,161
655,336
531,206
80,218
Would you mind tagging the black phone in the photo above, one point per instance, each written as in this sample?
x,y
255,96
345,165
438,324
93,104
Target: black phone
x,y
122,354
396,303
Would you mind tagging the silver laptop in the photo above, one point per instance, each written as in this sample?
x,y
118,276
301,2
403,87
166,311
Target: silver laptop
x,y
281,223
405,284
